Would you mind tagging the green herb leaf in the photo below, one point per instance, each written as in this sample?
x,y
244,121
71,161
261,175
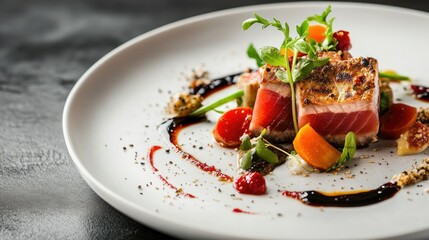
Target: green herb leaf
x,y
262,20
264,153
282,75
348,151
248,23
253,53
384,102
204,109
245,143
246,160
305,66
302,29
392,75
322,17
272,56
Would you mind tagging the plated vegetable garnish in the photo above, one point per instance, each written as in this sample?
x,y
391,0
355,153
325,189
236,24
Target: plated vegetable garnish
x,y
309,102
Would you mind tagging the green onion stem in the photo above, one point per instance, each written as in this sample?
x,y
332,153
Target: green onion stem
x,y
202,110
393,76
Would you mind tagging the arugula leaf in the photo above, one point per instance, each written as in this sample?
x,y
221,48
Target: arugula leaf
x,y
348,151
253,53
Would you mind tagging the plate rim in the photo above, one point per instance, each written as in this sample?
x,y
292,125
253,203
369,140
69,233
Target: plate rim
x,y
114,199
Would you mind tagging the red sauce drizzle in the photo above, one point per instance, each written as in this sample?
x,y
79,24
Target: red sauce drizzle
x,y
178,191
357,199
238,210
150,155
174,126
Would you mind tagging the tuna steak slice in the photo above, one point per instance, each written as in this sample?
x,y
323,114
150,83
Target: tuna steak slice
x,y
272,109
339,97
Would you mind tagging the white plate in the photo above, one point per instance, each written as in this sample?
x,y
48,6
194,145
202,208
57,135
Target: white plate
x,y
120,101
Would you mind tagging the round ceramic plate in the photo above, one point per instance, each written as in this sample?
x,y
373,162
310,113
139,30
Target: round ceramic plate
x,y
112,114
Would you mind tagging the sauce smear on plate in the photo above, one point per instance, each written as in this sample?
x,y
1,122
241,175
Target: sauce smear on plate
x,y
352,199
174,126
150,155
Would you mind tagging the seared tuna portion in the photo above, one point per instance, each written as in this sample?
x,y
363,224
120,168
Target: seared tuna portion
x,y
340,97
273,109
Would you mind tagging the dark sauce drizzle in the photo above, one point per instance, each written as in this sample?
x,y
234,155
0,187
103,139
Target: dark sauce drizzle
x,y
150,155
358,199
215,85
174,126
420,92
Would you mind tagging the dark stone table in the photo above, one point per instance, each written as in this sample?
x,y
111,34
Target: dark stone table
x,y
45,46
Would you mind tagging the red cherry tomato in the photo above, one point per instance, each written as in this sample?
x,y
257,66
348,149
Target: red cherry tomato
x,y
343,40
251,183
232,125
397,120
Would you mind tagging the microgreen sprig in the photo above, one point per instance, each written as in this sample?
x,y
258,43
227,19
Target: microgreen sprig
x,y
328,43
258,149
347,153
297,69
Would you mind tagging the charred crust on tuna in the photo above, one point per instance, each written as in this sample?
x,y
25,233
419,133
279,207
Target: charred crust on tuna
x,y
322,90
338,87
359,80
306,101
343,76
365,62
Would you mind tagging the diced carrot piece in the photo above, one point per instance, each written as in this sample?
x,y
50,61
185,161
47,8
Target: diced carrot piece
x,y
315,150
397,120
317,32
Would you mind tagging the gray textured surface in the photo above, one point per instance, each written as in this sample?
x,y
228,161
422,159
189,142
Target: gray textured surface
x,y
45,46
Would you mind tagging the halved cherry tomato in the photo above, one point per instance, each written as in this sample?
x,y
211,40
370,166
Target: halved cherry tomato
x,y
232,125
397,120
